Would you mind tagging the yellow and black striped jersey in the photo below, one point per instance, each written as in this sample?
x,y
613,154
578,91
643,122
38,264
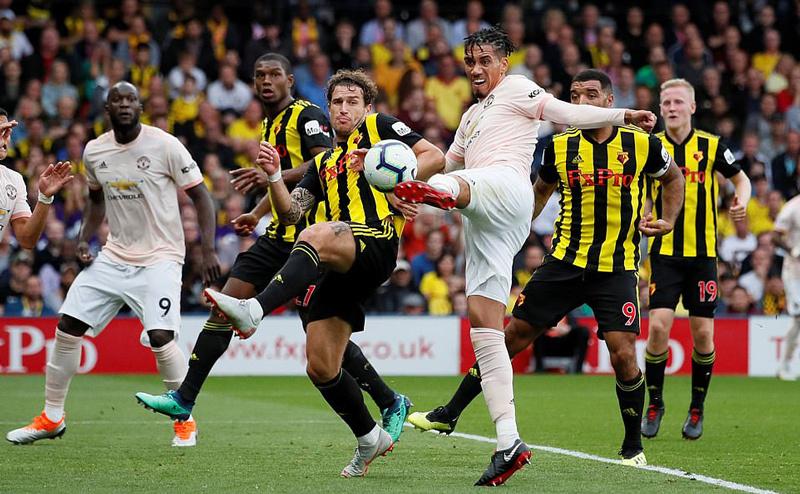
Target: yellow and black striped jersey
x,y
346,195
293,132
602,190
695,233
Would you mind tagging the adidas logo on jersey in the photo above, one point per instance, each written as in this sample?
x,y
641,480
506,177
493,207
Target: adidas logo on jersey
x,y
103,165
577,159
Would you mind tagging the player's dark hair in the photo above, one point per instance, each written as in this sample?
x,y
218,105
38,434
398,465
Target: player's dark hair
x,y
594,75
286,65
3,112
494,36
353,78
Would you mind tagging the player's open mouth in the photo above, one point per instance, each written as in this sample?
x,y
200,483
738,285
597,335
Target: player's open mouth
x,y
478,82
267,93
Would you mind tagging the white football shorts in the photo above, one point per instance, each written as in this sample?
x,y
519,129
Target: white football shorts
x,y
152,292
497,222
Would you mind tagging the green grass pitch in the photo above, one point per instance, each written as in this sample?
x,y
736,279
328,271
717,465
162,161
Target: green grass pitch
x,y
277,434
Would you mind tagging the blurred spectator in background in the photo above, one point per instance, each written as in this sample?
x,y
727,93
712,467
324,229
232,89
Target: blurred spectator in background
x,y
434,286
15,41
413,304
740,302
228,93
425,262
30,303
428,16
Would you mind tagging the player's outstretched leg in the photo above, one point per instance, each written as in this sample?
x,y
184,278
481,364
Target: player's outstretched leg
x,y
655,366
394,406
300,270
444,418
172,367
62,365
418,192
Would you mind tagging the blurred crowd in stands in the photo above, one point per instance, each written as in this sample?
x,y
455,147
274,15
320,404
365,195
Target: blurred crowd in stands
x,y
193,61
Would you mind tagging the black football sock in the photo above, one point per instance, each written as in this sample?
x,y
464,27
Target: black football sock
x,y
357,365
702,365
344,396
468,390
631,403
654,368
211,344
300,270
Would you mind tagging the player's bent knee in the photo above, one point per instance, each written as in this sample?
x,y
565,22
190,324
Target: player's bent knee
x,y
71,326
160,337
321,372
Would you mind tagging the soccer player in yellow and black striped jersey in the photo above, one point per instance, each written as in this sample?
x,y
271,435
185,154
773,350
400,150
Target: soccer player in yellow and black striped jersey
x,y
336,264
684,262
298,131
600,175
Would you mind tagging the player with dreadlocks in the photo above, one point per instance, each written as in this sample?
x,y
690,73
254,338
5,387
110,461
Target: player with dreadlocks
x,y
488,181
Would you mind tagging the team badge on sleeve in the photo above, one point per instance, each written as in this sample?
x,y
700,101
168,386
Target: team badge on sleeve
x,y
729,156
401,128
313,128
11,191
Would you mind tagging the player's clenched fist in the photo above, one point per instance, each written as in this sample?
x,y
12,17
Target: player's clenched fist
x,y
641,118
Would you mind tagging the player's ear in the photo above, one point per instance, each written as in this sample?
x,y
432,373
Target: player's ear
x,y
610,100
368,109
290,81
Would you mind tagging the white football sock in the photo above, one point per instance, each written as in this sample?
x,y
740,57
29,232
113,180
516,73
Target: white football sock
x,y
445,183
172,364
370,437
791,342
63,364
497,382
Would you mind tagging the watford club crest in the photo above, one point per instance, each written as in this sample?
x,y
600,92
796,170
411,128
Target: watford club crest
x,y
622,157
652,288
276,128
698,156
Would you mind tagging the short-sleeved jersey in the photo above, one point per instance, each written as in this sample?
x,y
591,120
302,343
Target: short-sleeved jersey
x,y
293,132
13,198
140,182
788,223
503,128
695,233
602,190
346,195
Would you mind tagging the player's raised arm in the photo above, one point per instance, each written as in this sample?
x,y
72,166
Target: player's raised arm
x,y
28,229
288,207
430,159
592,117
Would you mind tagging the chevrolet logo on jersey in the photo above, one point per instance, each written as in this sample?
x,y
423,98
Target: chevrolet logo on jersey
x,y
122,184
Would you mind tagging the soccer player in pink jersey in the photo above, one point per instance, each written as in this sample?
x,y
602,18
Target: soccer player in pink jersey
x,y
134,172
489,165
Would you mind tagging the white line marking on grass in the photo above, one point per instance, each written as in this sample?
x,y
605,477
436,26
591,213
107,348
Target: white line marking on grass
x,y
585,456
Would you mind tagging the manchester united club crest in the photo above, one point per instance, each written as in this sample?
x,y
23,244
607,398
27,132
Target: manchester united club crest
x,y
143,163
489,101
698,156
11,192
623,157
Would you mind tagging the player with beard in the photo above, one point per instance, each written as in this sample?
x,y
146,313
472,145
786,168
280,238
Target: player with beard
x,y
134,172
489,165
336,264
298,130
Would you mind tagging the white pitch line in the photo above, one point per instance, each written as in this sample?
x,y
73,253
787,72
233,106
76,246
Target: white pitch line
x,y
667,471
